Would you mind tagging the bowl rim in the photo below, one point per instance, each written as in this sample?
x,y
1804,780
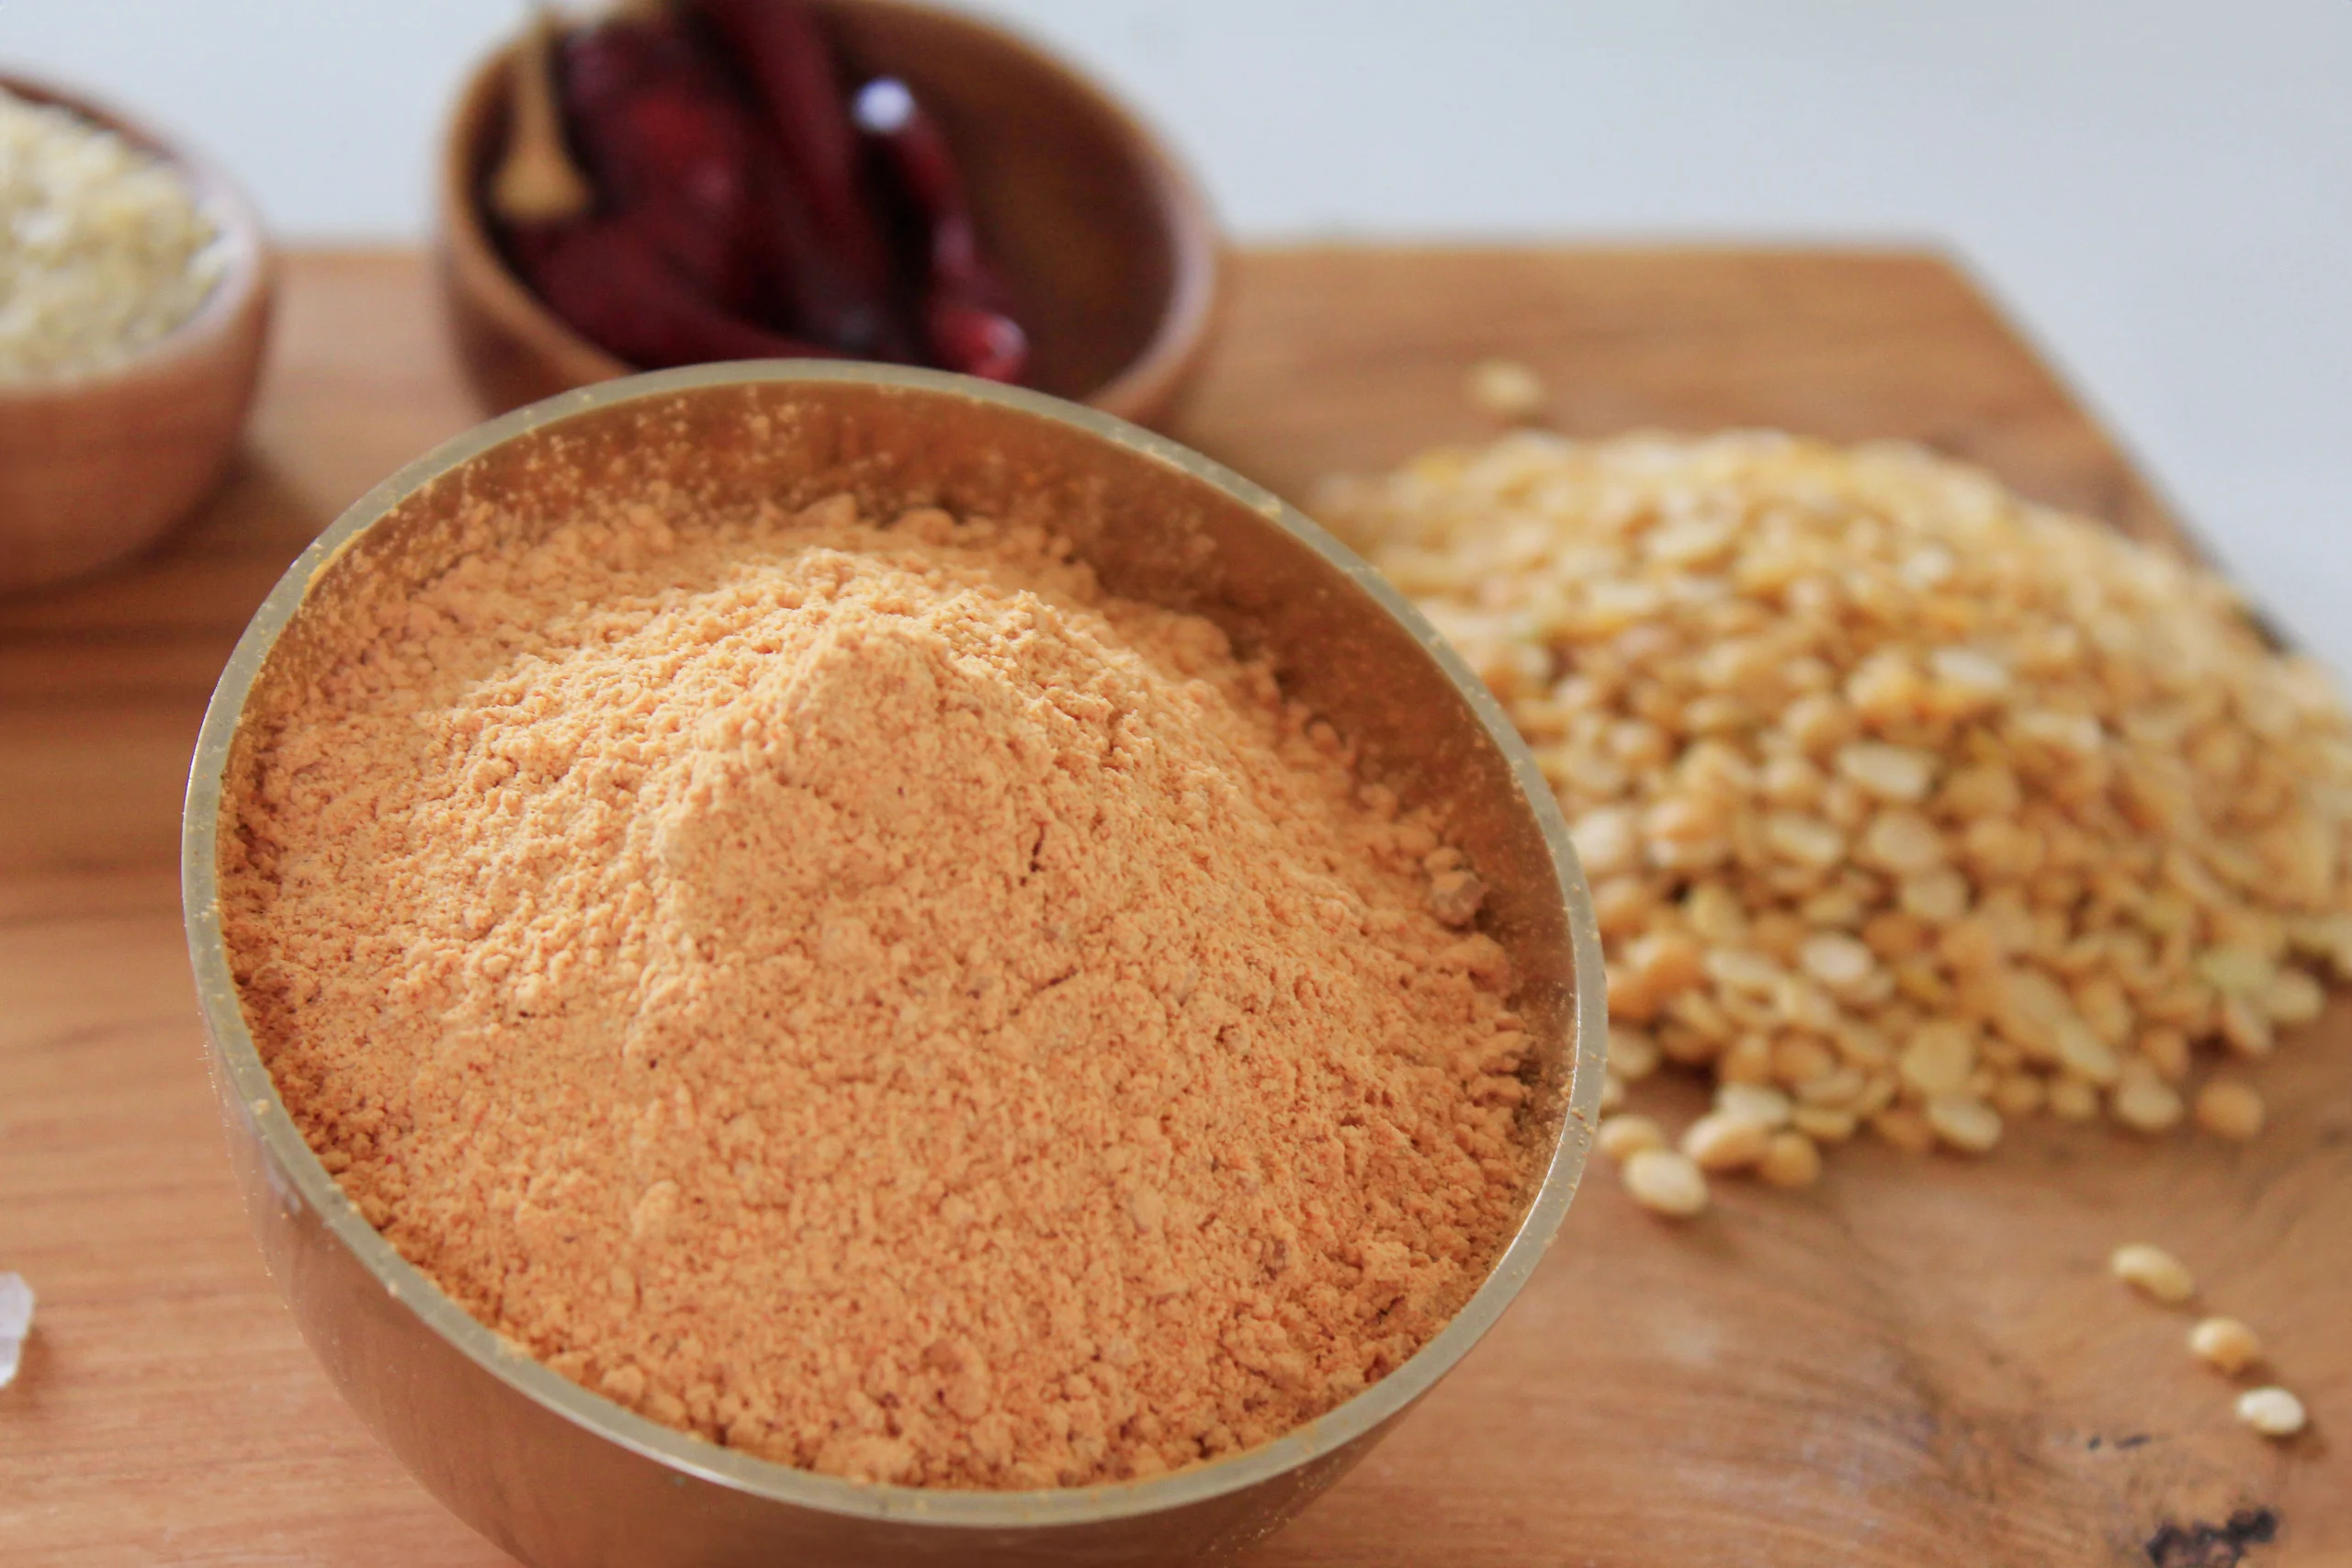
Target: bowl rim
x,y
1197,263
248,266
296,1172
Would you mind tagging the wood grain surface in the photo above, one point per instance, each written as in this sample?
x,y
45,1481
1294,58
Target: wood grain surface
x,y
1920,1362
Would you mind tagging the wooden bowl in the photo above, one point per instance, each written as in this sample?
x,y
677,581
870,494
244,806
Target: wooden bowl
x,y
1105,241
93,467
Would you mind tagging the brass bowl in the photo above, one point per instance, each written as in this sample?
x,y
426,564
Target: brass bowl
x,y
559,1476
1104,238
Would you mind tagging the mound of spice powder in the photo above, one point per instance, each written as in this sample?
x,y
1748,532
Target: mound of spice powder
x,y
868,996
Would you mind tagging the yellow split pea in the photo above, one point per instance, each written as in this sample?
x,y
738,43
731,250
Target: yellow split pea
x,y
1921,805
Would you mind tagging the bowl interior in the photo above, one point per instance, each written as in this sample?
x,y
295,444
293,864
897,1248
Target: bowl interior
x,y
1159,523
1102,240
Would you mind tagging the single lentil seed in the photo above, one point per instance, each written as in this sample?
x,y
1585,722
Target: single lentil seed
x,y
2226,1344
2073,1099
1791,1160
1907,1129
2145,1103
2273,1412
1622,1138
1726,1140
1665,1182
2153,1272
1633,1056
1822,1123
1506,388
1964,1122
1764,1104
2230,1109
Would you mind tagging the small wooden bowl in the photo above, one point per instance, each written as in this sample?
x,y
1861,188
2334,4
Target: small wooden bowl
x,y
1105,241
93,467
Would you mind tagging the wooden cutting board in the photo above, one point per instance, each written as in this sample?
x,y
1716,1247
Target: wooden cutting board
x,y
1920,1362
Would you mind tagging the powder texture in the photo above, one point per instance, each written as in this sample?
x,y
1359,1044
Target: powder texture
x,y
870,998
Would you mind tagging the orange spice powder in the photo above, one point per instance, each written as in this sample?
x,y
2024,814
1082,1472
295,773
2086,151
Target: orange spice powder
x,y
870,998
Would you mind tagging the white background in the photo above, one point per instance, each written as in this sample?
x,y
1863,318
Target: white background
x,y
2160,190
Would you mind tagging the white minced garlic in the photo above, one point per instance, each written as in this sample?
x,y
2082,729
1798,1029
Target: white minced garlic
x,y
1921,805
104,248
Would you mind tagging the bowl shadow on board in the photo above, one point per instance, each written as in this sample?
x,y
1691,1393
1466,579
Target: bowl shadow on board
x,y
559,1476
1103,237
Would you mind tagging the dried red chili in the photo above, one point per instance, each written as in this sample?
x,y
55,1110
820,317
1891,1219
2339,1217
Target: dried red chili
x,y
964,303
842,270
608,276
736,217
605,278
669,149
